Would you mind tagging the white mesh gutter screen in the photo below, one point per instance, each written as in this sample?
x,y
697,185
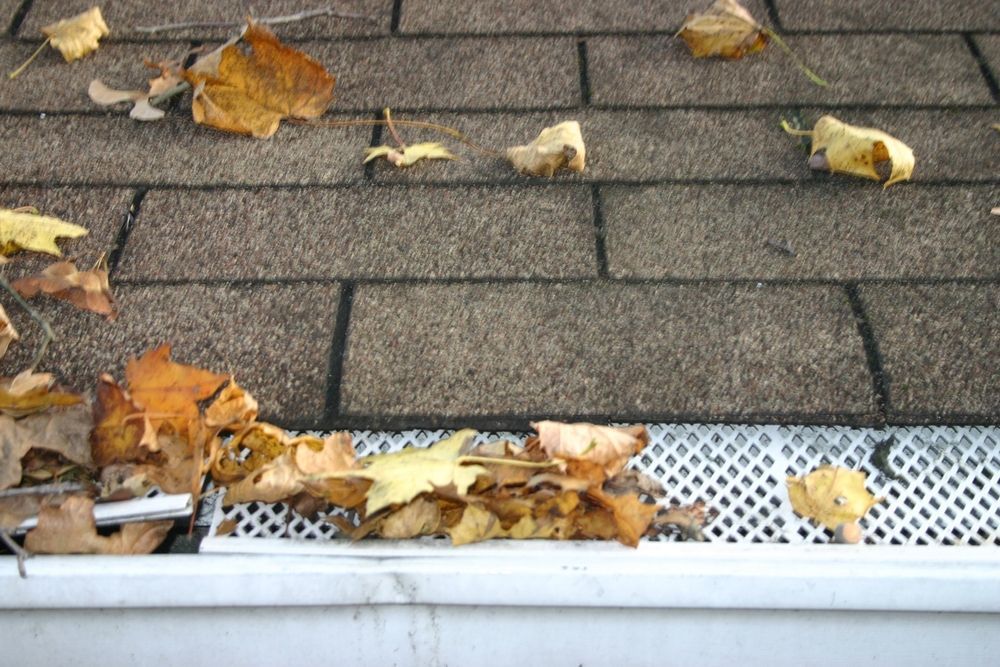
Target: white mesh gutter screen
x,y
941,484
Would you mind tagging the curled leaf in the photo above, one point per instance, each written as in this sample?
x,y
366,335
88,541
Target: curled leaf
x,y
557,147
87,290
28,393
831,496
232,409
8,334
77,36
606,446
23,230
849,149
141,108
409,155
725,29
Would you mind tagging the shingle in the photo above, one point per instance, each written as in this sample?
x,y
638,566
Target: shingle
x,y
637,352
499,16
838,230
424,232
940,350
642,145
123,16
866,15
50,84
8,9
989,46
275,338
861,69
116,149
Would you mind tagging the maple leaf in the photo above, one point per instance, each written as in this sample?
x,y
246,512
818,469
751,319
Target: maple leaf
x,y
23,230
164,387
606,446
247,87
77,36
849,149
122,432
71,529
232,410
408,155
831,496
557,147
87,290
29,392
8,334
725,29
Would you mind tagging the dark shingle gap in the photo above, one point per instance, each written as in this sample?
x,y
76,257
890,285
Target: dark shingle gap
x,y
600,232
19,15
984,67
128,223
880,383
581,52
772,13
338,350
376,141
397,13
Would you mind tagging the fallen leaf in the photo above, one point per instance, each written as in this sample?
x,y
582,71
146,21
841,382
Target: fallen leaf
x,y
247,87
232,410
87,290
142,107
557,147
632,516
164,387
119,426
8,334
476,525
688,520
418,517
831,496
21,230
77,36
848,149
634,481
28,392
249,450
725,29
12,449
70,529
407,156
400,477
607,446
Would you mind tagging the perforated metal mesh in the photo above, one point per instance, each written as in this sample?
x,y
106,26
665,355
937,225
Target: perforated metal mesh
x,y
941,484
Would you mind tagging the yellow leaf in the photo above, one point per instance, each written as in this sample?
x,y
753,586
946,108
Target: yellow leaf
x,y
28,393
87,290
831,496
725,29
77,36
848,149
400,477
405,157
476,525
8,334
557,147
247,87
21,230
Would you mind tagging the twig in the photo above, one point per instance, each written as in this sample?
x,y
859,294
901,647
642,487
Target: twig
x,y
44,489
42,322
169,92
20,552
268,20
392,128
444,129
24,66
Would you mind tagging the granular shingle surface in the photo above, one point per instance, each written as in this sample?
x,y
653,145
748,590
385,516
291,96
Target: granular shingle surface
x,y
696,270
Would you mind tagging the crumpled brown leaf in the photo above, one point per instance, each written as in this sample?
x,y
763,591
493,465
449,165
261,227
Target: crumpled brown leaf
x,y
416,518
232,410
8,334
557,147
77,36
606,446
849,149
831,496
247,87
70,529
725,29
121,429
87,290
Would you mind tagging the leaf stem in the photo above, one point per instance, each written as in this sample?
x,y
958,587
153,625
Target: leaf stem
x,y
24,66
507,462
792,131
444,129
392,128
41,321
815,78
170,92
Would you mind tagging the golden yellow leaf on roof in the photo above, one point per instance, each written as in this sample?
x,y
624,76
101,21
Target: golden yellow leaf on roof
x,y
26,230
77,36
849,149
725,29
557,147
8,334
409,155
831,496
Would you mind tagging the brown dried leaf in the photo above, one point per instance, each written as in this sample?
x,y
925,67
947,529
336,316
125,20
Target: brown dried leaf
x,y
555,148
687,519
418,517
607,446
232,410
632,516
70,529
249,86
476,525
119,426
77,36
87,290
8,334
725,29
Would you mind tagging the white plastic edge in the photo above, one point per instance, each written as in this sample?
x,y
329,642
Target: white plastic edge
x,y
586,574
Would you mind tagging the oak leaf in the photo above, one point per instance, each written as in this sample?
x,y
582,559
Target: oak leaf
x,y
23,230
87,290
249,86
849,149
409,155
77,36
71,529
8,334
28,392
169,390
557,147
831,496
725,29
606,446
